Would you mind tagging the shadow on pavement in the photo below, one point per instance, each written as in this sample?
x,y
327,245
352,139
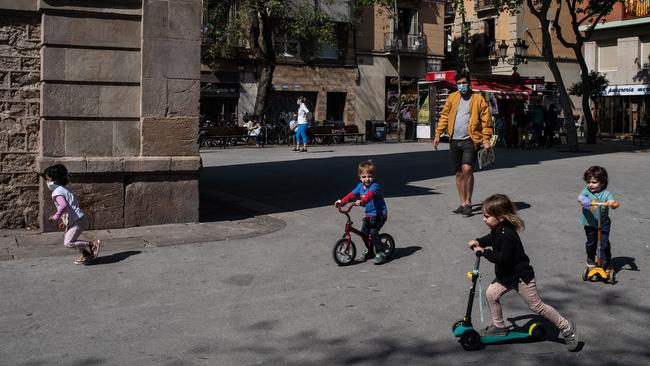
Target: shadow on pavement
x,y
292,185
114,258
405,251
619,262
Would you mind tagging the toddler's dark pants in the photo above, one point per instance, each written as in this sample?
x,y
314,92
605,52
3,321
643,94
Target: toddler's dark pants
x,y
371,227
592,243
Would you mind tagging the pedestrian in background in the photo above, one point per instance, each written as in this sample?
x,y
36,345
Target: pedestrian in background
x,y
303,124
550,124
73,219
466,119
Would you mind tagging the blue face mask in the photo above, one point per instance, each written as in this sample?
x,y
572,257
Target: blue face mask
x,y
463,88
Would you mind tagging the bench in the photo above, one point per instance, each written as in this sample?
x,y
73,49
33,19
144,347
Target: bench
x,y
221,136
333,134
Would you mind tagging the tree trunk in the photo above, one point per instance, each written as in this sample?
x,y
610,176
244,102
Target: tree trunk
x,y
547,50
590,126
264,88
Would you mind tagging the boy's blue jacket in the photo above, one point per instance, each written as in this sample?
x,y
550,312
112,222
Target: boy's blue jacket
x,y
372,198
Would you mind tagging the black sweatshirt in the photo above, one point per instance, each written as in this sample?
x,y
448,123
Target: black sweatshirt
x,y
510,261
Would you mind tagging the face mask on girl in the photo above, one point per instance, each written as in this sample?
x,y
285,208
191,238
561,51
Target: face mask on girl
x,y
51,185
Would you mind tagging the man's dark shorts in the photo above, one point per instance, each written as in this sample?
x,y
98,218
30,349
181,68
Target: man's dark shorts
x,y
462,152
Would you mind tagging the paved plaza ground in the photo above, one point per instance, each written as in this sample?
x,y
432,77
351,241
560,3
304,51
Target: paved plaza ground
x,y
273,295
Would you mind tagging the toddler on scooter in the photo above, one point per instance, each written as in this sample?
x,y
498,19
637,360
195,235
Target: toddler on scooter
x,y
596,179
368,194
512,268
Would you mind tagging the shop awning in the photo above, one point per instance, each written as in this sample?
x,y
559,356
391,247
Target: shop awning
x,y
502,90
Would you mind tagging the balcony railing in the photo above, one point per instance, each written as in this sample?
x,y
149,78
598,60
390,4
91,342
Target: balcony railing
x,y
636,8
405,42
480,5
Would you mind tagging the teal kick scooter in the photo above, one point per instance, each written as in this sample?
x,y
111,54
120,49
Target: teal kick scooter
x,y
470,339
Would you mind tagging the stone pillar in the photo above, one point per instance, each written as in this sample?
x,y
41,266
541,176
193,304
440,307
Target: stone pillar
x,y
120,108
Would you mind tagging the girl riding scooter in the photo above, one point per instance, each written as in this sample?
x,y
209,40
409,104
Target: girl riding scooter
x,y
512,268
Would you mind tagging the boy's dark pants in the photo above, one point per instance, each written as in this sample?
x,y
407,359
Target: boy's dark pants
x,y
592,243
371,227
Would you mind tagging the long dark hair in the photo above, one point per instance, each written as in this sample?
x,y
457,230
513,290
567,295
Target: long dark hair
x,y
58,173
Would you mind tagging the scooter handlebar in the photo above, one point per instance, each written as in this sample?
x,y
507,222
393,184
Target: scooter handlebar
x,y
614,204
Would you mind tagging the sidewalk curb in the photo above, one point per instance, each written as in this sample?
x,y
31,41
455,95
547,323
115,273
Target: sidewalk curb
x,y
20,244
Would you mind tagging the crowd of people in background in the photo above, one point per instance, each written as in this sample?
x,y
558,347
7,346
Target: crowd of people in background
x,y
534,126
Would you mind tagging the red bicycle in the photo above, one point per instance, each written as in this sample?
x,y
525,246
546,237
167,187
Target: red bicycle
x,y
345,251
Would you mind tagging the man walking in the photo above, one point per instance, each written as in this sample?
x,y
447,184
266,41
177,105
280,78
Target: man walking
x,y
466,119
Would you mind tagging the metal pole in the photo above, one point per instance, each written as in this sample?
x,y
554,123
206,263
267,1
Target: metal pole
x,y
399,75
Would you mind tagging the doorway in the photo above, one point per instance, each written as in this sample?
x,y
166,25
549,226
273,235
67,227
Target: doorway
x,y
335,106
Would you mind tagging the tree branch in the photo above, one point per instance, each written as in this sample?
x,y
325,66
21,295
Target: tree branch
x,y
558,27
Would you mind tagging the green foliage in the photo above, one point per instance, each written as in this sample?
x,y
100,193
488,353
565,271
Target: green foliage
x,y
598,83
228,25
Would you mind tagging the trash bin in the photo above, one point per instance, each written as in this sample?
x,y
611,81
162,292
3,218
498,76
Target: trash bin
x,y
375,130
409,130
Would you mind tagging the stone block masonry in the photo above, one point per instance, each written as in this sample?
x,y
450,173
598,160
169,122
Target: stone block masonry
x,y
20,91
110,89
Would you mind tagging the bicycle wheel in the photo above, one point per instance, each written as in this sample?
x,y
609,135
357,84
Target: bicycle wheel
x,y
344,254
388,243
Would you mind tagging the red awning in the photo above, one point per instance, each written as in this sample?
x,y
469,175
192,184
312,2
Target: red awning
x,y
502,90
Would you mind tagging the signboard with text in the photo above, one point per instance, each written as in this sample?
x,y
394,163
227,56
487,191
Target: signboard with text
x,y
614,90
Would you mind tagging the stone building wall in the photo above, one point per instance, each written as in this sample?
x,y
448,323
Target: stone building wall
x,y
119,106
19,125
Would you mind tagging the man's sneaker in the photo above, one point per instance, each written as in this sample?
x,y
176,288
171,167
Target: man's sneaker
x,y
591,263
458,210
493,330
303,150
571,337
467,211
379,258
368,254
296,150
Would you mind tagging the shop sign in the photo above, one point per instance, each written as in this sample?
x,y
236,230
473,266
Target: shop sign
x,y
615,90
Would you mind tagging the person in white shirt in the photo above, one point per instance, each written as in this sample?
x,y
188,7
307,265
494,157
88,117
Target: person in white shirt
x,y
303,124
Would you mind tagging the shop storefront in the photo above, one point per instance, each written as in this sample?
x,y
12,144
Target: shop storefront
x,y
219,98
623,110
501,95
403,106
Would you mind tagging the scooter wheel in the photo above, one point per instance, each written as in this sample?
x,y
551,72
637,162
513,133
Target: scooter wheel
x,y
470,340
611,276
537,332
456,325
585,274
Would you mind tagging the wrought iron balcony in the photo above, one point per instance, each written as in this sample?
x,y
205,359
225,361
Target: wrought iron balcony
x,y
480,5
416,43
636,9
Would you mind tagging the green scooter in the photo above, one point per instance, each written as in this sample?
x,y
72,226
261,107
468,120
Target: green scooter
x,y
470,339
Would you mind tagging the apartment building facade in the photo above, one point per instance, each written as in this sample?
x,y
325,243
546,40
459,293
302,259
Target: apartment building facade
x,y
405,41
620,49
489,28
350,81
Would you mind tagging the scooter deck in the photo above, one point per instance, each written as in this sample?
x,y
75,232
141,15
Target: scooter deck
x,y
493,339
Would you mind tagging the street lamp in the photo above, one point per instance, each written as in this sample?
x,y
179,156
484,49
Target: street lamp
x,y
521,51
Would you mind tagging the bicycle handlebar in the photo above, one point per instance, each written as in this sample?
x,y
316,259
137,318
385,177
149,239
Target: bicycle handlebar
x,y
343,210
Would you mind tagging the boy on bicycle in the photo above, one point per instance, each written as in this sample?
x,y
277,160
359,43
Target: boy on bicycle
x,y
368,194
